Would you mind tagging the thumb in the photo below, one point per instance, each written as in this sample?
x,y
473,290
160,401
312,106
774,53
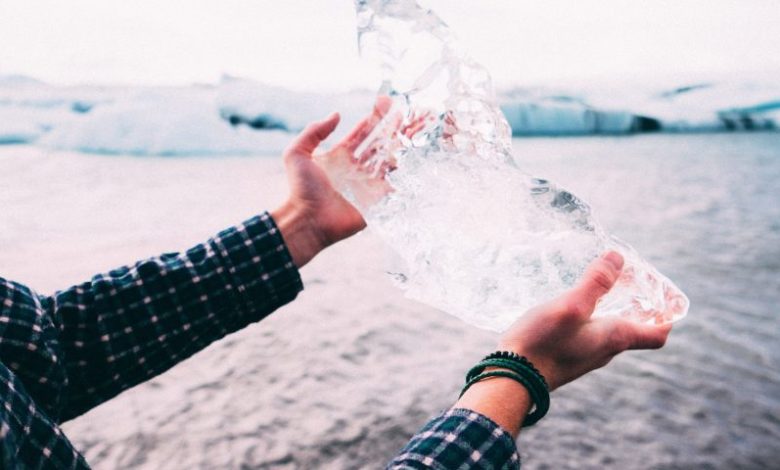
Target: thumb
x,y
311,137
598,279
621,334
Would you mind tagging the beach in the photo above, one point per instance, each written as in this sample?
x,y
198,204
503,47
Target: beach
x,y
342,377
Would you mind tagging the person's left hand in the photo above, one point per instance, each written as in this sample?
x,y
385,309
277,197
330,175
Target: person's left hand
x,y
564,342
316,215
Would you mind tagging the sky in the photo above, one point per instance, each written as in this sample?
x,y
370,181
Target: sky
x,y
311,44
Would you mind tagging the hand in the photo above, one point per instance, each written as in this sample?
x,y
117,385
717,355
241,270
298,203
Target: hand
x,y
316,215
378,137
562,340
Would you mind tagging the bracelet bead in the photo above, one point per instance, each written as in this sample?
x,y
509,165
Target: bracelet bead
x,y
520,369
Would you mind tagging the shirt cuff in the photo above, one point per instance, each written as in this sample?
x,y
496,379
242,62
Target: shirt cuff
x,y
460,438
259,266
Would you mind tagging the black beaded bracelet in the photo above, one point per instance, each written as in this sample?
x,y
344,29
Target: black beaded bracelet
x,y
520,369
513,356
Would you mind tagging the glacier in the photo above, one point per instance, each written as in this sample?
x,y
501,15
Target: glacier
x,y
234,117
750,102
242,116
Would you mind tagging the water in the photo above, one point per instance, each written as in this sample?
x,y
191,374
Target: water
x,y
477,236
706,210
703,208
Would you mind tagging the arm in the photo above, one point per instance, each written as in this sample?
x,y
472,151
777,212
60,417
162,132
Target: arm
x,y
86,344
133,323
563,342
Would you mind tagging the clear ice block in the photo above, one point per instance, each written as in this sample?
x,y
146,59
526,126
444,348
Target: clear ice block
x,y
478,237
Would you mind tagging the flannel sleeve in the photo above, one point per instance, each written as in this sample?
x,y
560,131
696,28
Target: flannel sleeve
x,y
459,439
29,439
84,345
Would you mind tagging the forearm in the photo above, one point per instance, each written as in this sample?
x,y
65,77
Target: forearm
x,y
459,438
133,323
302,238
503,400
479,431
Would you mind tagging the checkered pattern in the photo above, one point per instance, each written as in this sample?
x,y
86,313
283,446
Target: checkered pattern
x,y
65,354
459,439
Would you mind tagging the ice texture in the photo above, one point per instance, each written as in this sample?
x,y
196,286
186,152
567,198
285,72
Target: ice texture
x,y
477,237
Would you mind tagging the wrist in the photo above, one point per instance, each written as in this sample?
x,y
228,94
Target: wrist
x,y
503,400
301,237
545,366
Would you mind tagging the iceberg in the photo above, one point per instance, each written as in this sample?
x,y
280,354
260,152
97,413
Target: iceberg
x,y
162,123
28,110
248,101
566,117
242,116
235,117
477,237
21,126
728,105
748,103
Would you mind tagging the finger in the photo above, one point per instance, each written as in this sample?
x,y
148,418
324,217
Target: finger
x,y
650,336
391,164
364,128
378,144
622,334
368,154
598,279
416,124
412,130
311,137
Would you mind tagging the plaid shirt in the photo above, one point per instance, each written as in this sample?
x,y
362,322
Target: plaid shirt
x,y
459,439
62,355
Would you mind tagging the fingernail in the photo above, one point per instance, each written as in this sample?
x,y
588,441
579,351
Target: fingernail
x,y
615,259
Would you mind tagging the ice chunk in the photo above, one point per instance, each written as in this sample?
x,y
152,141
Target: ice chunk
x,y
714,104
197,119
185,122
479,238
565,118
292,110
235,117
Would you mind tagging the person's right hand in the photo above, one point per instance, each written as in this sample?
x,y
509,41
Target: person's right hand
x,y
562,340
363,172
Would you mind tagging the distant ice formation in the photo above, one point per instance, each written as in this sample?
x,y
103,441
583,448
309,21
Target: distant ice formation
x,y
249,101
561,117
185,123
236,117
246,117
478,237
750,103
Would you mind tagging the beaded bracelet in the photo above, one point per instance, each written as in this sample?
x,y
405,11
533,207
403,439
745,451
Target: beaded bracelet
x,y
520,369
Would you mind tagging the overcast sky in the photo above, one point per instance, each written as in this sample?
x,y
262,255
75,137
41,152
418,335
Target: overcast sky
x,y
310,44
